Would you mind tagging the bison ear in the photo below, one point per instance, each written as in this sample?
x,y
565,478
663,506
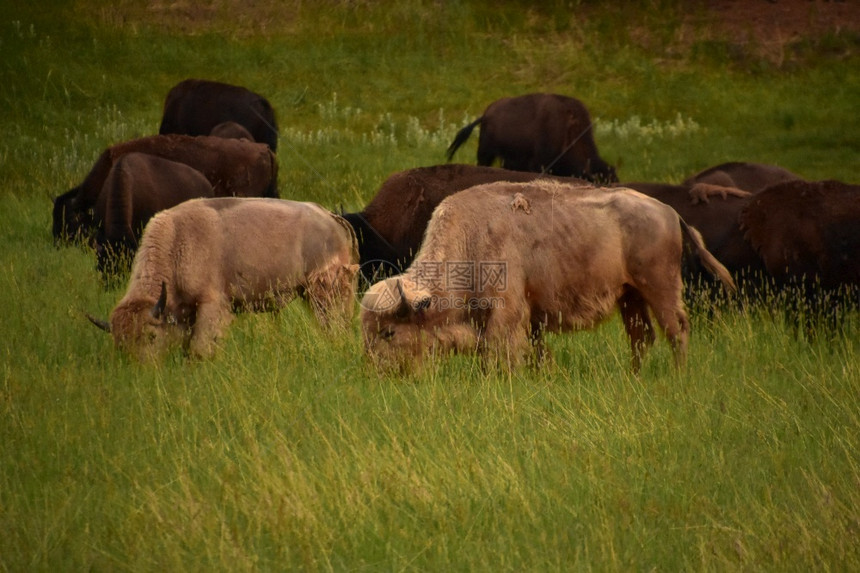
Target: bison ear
x,y
158,310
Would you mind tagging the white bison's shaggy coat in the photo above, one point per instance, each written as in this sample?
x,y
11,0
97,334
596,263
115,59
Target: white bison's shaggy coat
x,y
202,258
570,255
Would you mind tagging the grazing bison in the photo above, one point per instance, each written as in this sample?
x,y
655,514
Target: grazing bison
x,y
137,187
231,130
194,107
538,132
752,177
503,262
202,258
233,167
807,233
391,226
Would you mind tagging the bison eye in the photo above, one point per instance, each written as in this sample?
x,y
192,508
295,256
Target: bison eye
x,y
387,334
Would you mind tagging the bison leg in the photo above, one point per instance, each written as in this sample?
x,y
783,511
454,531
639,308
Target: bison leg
x,y
541,353
506,339
213,317
637,323
668,309
677,330
331,294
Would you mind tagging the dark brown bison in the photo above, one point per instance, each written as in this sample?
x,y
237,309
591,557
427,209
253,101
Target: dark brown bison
x,y
808,236
545,133
233,167
137,187
504,262
391,226
752,177
807,233
204,258
791,235
194,107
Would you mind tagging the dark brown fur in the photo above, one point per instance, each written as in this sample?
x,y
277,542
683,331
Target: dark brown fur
x,y
231,130
538,132
137,187
194,107
233,167
807,231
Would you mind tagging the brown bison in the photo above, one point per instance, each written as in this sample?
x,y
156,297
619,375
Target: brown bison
x,y
752,177
503,262
202,258
391,226
808,236
195,107
545,133
233,167
807,232
137,187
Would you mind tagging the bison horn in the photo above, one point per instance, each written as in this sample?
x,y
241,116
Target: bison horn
x,y
158,310
413,303
403,307
103,324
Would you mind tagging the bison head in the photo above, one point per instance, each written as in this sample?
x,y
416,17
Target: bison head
x,y
69,219
402,324
144,329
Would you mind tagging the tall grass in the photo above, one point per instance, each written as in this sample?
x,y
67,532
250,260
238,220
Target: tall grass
x,y
286,451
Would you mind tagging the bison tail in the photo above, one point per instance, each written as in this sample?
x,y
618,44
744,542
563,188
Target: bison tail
x,y
461,137
694,242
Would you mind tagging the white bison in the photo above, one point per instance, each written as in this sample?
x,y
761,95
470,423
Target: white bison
x,y
203,258
503,262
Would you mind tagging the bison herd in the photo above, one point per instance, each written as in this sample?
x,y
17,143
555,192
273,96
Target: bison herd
x,y
454,258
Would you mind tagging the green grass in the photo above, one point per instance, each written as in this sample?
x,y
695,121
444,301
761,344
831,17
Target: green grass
x,y
285,451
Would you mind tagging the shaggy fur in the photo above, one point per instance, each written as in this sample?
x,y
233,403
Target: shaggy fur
x,y
807,231
391,226
137,187
213,255
538,132
571,253
233,167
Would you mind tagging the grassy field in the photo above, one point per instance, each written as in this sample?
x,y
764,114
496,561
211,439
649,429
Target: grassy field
x,y
286,451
